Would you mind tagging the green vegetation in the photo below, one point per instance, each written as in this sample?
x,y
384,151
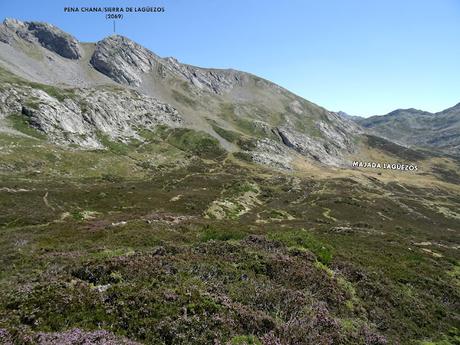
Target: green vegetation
x,y
452,338
21,123
32,103
245,340
303,240
211,233
8,77
59,93
240,187
394,149
173,240
245,125
196,142
184,99
115,146
228,135
118,240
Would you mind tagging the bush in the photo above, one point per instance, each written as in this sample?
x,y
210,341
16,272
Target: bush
x,y
210,233
304,240
228,135
245,340
22,124
196,142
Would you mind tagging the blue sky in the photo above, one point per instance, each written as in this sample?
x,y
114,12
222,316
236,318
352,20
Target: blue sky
x,y
360,56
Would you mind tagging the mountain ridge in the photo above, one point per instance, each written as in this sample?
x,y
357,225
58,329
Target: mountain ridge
x,y
418,128
210,100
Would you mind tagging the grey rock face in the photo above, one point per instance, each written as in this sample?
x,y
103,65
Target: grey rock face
x,y
305,145
271,153
81,118
9,102
122,60
45,34
126,62
215,81
335,140
9,28
332,141
56,40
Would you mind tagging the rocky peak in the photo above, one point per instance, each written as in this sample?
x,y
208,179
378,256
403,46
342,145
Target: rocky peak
x,y
126,62
47,35
14,24
122,59
11,28
56,40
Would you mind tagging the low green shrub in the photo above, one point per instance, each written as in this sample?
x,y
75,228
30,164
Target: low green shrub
x,y
304,240
211,233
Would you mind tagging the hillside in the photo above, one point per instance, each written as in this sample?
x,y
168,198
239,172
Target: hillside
x,y
239,109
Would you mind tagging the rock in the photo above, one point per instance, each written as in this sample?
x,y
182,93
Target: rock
x,y
56,40
9,28
47,35
211,80
271,153
122,60
81,116
329,148
102,288
126,62
121,223
342,229
296,107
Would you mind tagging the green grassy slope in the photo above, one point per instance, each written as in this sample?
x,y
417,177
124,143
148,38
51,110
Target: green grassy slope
x,y
119,240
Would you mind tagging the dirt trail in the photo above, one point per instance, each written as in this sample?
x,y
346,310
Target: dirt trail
x,y
326,211
45,200
327,215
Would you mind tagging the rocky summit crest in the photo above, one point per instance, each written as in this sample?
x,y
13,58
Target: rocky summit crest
x,y
122,59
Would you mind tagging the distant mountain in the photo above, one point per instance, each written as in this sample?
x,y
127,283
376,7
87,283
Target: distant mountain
x,y
412,127
76,92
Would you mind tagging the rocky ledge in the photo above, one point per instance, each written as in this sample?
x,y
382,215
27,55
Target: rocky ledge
x,y
82,116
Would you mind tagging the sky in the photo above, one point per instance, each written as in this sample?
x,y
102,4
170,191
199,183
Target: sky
x,y
359,56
